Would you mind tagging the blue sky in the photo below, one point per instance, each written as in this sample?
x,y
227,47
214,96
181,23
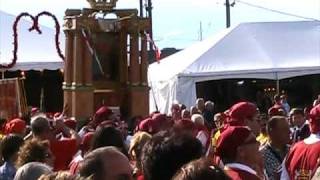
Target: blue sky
x,y
177,22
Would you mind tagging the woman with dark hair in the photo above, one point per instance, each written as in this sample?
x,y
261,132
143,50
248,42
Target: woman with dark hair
x,y
35,150
9,149
108,136
200,169
167,152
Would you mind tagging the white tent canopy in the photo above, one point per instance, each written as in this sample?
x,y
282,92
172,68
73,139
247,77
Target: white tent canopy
x,y
271,50
35,51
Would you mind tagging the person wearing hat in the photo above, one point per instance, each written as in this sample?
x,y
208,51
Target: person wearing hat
x,y
146,125
16,126
245,114
275,112
84,148
240,114
70,123
303,158
102,114
239,151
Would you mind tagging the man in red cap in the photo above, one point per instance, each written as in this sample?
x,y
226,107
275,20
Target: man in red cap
x,y
275,112
239,150
70,123
16,126
84,147
102,114
146,125
245,114
154,124
304,157
240,114
161,122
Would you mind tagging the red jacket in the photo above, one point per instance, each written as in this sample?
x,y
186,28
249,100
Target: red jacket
x,y
303,160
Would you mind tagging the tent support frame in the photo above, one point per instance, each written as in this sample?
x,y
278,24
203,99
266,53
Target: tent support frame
x,y
277,83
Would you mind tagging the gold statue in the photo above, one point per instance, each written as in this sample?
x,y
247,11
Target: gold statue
x,y
103,5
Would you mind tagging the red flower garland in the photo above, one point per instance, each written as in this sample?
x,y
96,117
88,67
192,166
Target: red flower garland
x,y
36,27
57,26
15,37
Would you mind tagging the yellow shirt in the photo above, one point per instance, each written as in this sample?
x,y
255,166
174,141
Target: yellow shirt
x,y
215,138
262,139
2,136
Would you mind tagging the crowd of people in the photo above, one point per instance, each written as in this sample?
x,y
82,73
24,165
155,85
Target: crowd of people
x,y
193,143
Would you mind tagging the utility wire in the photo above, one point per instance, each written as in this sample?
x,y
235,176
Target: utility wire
x,y
276,11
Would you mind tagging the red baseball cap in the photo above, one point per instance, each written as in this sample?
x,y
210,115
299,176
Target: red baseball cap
x,y
230,139
146,125
314,119
70,123
241,111
86,141
17,126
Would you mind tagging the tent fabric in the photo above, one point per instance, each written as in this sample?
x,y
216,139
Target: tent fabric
x,y
267,50
37,66
36,52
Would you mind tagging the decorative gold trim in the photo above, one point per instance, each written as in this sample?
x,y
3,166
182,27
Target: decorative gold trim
x,y
103,5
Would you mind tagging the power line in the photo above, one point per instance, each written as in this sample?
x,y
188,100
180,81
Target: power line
x,y
276,11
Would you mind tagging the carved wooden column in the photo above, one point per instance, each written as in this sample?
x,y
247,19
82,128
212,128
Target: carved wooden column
x,y
144,89
82,90
134,60
68,65
144,61
123,64
137,92
78,60
68,70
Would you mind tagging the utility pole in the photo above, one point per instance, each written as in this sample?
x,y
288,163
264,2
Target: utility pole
x,y
149,12
228,13
200,33
141,7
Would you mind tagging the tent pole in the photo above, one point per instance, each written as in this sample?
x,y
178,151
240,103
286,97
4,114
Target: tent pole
x,y
278,84
228,21
153,95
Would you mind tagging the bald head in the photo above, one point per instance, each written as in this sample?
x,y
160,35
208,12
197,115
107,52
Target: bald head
x,y
106,163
